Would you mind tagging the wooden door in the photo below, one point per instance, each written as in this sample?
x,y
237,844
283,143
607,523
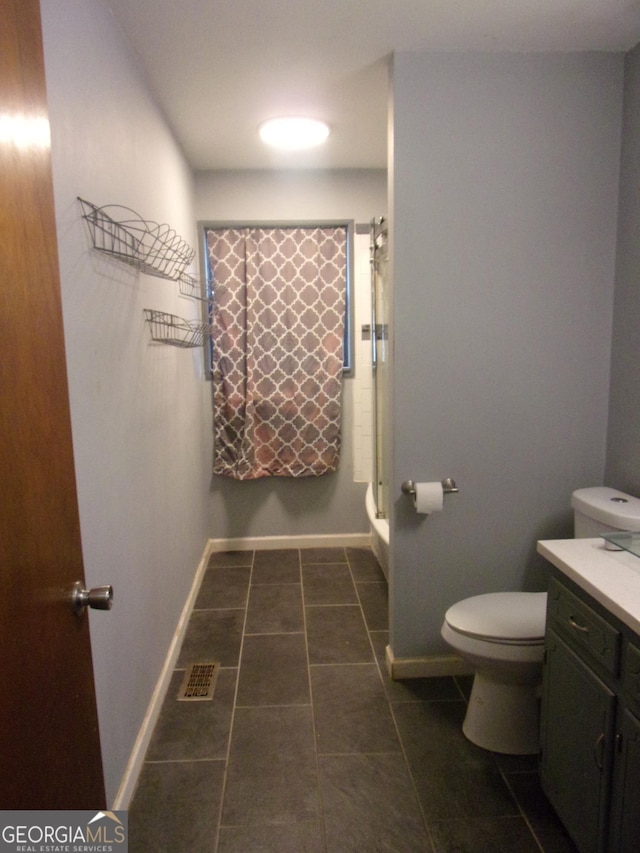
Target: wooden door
x,y
49,746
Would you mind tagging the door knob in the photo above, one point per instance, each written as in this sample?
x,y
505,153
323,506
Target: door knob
x,y
98,598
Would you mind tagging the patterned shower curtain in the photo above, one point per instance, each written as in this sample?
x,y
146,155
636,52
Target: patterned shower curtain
x,y
278,326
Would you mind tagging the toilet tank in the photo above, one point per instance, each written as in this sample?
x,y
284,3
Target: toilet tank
x,y
600,510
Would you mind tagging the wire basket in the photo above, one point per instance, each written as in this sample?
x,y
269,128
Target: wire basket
x,y
192,287
169,329
151,248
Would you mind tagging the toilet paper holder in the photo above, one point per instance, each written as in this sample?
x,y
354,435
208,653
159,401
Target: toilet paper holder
x,y
448,487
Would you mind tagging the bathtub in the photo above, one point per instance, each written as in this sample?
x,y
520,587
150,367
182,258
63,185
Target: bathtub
x,y
379,532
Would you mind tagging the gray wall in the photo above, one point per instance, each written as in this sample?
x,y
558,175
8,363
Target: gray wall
x,y
305,506
623,444
505,174
140,427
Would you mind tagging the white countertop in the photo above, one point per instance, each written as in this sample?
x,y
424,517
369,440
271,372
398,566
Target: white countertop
x,y
611,577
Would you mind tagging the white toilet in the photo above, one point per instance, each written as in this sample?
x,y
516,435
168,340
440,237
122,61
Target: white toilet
x,y
502,635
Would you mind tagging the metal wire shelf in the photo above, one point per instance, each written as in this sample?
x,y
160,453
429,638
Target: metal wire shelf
x,y
154,249
193,287
169,329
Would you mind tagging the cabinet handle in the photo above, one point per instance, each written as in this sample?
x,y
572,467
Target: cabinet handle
x,y
574,624
598,751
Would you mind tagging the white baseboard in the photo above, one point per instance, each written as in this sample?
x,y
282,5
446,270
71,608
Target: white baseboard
x,y
426,667
136,759
270,543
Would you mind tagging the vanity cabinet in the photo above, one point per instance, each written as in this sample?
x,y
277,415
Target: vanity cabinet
x,y
590,722
625,823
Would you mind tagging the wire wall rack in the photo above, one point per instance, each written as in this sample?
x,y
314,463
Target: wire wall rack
x,y
169,329
149,247
194,287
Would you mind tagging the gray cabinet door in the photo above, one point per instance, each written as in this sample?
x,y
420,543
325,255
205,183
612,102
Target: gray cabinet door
x,y
625,824
578,719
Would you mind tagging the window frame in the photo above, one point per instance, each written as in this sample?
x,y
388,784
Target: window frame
x,y
348,359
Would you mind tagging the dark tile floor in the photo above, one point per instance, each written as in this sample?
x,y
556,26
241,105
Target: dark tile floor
x,y
307,745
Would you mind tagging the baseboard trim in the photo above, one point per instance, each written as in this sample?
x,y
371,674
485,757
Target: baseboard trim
x,y
271,543
136,759
425,667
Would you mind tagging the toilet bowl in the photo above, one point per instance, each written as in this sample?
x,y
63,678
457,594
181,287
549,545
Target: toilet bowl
x,y
502,635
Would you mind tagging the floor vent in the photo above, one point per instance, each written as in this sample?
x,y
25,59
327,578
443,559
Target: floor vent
x,y
199,682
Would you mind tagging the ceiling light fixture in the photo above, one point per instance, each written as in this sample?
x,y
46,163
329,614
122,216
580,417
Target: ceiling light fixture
x,y
293,133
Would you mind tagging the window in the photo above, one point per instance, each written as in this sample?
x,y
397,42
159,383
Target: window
x,y
286,246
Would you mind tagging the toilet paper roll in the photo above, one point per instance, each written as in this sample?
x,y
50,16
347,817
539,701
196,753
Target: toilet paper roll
x,y
429,498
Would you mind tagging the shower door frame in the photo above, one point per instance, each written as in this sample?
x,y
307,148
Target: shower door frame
x,y
379,259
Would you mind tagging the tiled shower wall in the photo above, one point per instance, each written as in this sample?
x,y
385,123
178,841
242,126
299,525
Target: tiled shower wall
x,y
362,381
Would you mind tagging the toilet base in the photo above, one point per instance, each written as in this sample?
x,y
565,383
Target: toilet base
x,y
503,717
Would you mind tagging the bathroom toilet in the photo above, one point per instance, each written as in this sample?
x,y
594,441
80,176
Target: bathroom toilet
x,y
501,635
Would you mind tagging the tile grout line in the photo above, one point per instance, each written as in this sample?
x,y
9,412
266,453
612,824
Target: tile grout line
x,y
323,831
393,717
233,711
523,814
183,760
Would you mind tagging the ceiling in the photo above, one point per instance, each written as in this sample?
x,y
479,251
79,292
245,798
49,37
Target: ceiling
x,y
220,67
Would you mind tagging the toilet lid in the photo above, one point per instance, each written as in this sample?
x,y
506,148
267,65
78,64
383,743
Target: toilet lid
x,y
501,616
